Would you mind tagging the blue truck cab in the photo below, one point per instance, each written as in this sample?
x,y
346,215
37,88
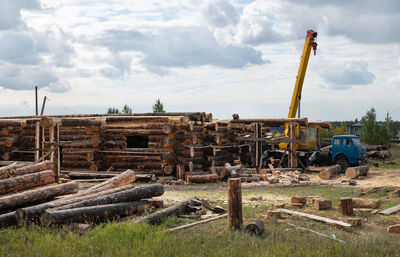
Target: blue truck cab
x,y
347,150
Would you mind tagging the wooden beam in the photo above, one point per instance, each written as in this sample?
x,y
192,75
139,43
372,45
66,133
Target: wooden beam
x,y
390,210
317,218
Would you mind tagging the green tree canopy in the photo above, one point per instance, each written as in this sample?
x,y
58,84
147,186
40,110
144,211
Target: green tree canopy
x,y
126,109
112,110
158,106
372,132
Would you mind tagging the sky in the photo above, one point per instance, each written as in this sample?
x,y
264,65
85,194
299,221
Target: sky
x,y
223,56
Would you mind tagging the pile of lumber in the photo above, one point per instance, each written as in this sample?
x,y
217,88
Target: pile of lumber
x,y
378,152
24,184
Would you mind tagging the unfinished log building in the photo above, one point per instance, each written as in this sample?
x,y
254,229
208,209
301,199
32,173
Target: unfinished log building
x,y
160,144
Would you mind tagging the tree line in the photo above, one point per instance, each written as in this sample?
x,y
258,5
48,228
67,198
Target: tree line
x,y
126,109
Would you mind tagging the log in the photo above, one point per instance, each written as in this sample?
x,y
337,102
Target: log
x,y
394,229
180,171
317,218
26,181
80,122
207,178
46,165
274,214
272,122
93,213
346,206
329,172
235,215
130,195
30,214
174,210
298,199
122,179
355,172
390,210
9,123
256,227
322,204
366,203
37,194
7,219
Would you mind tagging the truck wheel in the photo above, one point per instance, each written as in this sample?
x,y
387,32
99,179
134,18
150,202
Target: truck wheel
x,y
343,162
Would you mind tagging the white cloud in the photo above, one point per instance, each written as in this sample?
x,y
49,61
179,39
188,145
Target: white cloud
x,y
343,76
220,13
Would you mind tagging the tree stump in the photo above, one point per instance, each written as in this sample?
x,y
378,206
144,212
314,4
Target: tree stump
x,y
346,206
322,204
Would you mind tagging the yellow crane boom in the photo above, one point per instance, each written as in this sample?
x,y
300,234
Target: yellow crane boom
x,y
309,43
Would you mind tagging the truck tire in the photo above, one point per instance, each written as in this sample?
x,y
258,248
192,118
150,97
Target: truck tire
x,y
343,162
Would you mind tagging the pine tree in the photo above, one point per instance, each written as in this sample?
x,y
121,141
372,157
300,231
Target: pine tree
x,y
112,110
127,109
373,133
158,106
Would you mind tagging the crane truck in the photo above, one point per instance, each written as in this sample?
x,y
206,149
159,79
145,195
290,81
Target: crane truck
x,y
346,150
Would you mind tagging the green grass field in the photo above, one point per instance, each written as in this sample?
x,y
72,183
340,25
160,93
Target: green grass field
x,y
214,239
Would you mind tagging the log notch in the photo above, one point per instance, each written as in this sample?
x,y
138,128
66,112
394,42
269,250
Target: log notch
x,y
256,227
329,172
235,216
130,195
206,178
93,213
346,206
123,179
37,194
355,172
30,214
26,181
174,210
366,203
46,165
322,204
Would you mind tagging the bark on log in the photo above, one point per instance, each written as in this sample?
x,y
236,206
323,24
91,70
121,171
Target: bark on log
x,y
122,179
130,195
80,122
366,203
174,210
322,204
346,206
30,214
235,215
256,227
26,181
46,165
7,219
9,123
93,213
355,172
329,172
143,119
207,178
37,194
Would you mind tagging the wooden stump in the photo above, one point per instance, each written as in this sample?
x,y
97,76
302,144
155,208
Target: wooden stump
x,y
235,216
256,227
355,172
346,206
298,199
322,204
329,172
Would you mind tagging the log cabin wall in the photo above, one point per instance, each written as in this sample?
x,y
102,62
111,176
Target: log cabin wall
x,y
150,143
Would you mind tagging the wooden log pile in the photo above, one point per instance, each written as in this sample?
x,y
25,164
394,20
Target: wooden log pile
x,y
24,185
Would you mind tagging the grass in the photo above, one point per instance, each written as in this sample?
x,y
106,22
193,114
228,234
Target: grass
x,y
213,239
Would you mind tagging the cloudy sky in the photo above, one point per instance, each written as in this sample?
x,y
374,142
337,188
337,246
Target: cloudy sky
x,y
224,56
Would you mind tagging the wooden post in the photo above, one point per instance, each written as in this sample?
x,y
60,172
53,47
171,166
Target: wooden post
x,y
346,206
292,146
235,216
58,152
51,140
37,140
43,140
